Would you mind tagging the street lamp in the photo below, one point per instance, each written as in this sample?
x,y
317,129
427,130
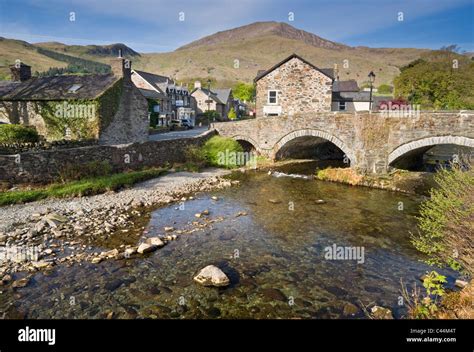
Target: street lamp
x,y
371,81
208,102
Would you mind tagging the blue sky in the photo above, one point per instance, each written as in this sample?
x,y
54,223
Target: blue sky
x,y
154,25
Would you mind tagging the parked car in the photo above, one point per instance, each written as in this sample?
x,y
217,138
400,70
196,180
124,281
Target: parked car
x,y
186,123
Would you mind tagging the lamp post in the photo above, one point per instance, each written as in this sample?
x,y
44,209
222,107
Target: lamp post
x,y
371,81
208,102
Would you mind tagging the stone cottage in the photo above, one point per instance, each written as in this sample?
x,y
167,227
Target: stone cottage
x,y
295,86
106,107
219,100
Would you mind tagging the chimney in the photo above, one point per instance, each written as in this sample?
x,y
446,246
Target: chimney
x,y
336,73
197,85
20,72
122,67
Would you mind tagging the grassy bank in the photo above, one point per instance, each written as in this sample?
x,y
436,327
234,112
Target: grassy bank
x,y
399,180
84,187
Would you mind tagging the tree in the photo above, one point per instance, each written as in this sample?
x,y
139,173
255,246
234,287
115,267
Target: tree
x,y
232,115
439,80
244,91
385,89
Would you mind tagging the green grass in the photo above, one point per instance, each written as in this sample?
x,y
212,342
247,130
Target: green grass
x,y
85,187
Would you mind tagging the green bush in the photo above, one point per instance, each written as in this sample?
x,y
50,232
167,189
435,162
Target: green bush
x,y
385,89
220,151
446,221
10,133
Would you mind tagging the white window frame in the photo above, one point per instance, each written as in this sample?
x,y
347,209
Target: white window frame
x,y
344,103
276,97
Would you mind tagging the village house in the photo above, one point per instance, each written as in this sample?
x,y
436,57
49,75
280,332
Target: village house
x,y
105,107
219,100
295,86
167,100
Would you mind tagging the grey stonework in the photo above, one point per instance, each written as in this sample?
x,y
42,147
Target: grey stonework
x,y
130,123
45,166
371,141
300,88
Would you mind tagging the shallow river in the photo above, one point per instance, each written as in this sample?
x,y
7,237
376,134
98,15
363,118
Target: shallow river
x,y
270,237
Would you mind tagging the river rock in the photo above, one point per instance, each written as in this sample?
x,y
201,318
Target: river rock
x,y
146,248
3,239
21,282
460,283
96,260
274,201
273,294
155,241
212,276
381,313
169,228
54,220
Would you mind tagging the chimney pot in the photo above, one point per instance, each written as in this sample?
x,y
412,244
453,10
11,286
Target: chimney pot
x,y
20,72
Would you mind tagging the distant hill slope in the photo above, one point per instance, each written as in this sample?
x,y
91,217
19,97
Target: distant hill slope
x,y
237,55
11,50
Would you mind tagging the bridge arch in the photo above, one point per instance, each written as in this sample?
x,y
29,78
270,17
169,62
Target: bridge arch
x,y
248,140
314,133
424,144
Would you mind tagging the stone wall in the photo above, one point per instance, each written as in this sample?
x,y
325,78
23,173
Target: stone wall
x,y
45,166
300,88
370,140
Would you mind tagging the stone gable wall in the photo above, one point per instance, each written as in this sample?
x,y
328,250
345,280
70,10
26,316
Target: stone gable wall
x,y
301,88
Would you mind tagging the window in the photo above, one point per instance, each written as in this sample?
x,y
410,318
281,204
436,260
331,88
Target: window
x,y
342,106
74,88
272,97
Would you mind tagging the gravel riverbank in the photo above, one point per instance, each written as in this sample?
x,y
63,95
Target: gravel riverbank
x,y
41,234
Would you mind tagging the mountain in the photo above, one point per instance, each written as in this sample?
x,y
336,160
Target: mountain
x,y
259,29
235,55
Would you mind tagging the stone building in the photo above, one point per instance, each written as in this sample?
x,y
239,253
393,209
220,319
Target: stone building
x,y
219,100
168,100
295,86
106,107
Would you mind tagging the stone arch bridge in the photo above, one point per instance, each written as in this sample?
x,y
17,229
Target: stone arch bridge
x,y
372,142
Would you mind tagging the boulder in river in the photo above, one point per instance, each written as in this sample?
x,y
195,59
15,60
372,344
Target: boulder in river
x,y
155,241
146,248
381,313
211,275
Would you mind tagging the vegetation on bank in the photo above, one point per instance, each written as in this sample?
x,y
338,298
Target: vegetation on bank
x,y
440,80
84,187
12,133
446,225
446,221
398,180
217,151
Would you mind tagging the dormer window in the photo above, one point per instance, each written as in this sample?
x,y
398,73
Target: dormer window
x,y
272,97
74,88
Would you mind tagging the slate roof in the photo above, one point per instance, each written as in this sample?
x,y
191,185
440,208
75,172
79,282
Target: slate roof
x,y
351,96
160,83
345,86
220,96
57,87
151,94
326,72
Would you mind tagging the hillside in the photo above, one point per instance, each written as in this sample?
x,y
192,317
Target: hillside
x,y
237,54
11,50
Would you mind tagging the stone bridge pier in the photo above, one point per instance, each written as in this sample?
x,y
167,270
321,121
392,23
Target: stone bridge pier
x,y
371,142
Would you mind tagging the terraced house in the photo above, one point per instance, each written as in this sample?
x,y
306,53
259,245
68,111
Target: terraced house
x,y
167,100
105,107
295,86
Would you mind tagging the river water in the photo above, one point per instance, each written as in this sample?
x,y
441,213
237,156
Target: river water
x,y
270,236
